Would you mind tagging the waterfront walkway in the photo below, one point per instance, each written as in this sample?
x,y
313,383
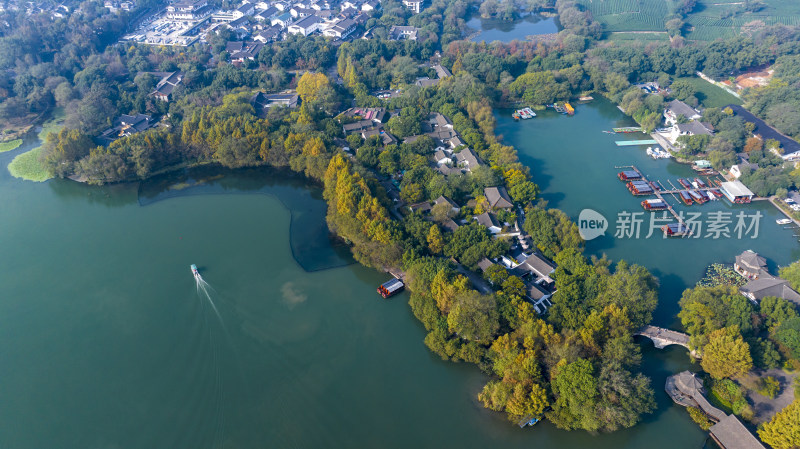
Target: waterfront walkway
x,y
686,390
728,432
774,201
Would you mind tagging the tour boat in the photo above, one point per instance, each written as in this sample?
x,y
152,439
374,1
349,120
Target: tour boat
x,y
640,188
629,175
654,205
391,288
687,199
676,230
697,197
783,221
684,183
194,270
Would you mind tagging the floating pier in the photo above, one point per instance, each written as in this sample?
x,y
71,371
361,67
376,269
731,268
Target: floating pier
x,y
628,129
639,185
630,143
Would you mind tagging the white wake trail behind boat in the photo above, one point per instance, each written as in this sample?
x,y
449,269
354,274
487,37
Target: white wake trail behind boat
x,y
203,290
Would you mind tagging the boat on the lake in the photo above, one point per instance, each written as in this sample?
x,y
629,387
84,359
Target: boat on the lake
x,y
195,273
524,113
676,230
391,288
686,198
658,153
640,188
654,205
629,175
783,221
698,197
528,422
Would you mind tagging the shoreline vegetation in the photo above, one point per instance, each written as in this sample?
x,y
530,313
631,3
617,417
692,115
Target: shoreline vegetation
x,y
29,166
10,145
577,364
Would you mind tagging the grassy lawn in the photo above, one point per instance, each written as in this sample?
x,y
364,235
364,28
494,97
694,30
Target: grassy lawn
x,y
710,95
27,166
10,145
53,125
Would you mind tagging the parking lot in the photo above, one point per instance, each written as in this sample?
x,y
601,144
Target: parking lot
x,y
163,31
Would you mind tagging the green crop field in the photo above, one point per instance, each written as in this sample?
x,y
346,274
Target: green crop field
x,y
709,95
710,19
639,36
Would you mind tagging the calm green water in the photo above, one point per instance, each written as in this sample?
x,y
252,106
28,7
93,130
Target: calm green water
x,y
573,161
506,31
105,343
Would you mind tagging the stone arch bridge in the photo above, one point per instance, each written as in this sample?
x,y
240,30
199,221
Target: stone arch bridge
x,y
664,337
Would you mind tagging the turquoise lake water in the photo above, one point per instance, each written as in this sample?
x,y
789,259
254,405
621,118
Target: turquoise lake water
x,y
105,342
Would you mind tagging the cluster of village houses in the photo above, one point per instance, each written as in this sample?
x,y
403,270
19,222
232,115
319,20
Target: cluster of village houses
x,y
684,120
452,156
263,22
56,9
760,283
185,22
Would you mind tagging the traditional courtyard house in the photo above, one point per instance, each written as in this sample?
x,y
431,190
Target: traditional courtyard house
x,y
498,198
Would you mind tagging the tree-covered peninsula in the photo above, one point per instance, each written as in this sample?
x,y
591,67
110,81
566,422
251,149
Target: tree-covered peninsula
x,y
575,363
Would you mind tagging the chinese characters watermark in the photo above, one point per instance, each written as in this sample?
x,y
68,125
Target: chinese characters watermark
x,y
709,225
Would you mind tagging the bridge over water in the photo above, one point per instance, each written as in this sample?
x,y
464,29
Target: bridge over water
x,y
662,337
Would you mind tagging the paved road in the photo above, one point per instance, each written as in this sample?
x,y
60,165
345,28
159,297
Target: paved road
x,y
764,407
476,280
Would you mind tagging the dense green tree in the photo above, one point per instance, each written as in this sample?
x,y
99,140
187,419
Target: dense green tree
x,y
707,309
539,88
575,389
788,336
551,230
775,310
792,274
474,317
632,288
726,354
61,150
623,397
783,430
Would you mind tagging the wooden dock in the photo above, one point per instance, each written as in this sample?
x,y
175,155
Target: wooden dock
x,y
675,191
630,143
659,193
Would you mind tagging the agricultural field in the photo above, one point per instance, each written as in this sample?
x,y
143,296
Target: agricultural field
x,y
710,19
709,95
640,36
